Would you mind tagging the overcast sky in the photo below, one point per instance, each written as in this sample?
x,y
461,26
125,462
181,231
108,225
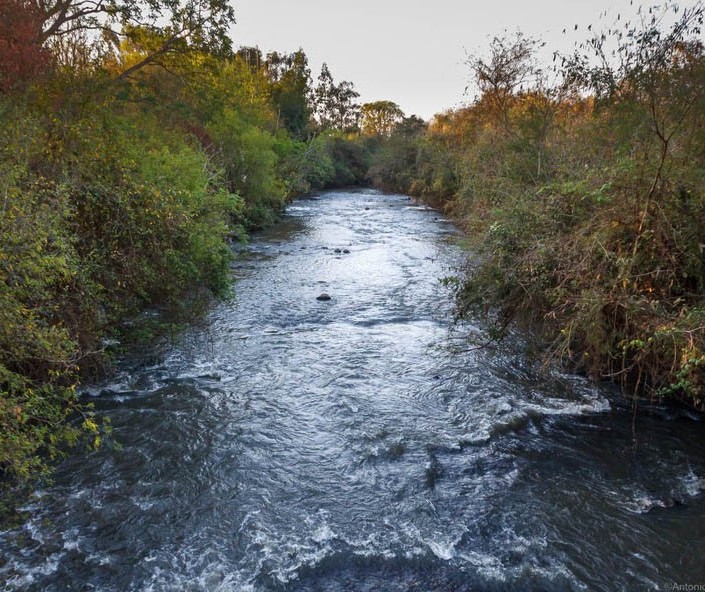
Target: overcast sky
x,y
408,51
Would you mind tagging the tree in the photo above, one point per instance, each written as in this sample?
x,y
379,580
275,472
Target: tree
x,y
510,70
334,104
411,126
252,56
395,165
291,80
380,118
198,24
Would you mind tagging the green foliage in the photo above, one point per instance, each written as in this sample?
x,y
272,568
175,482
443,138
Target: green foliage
x,y
35,421
395,163
349,157
309,166
334,105
329,160
250,163
123,179
38,357
416,160
162,27
142,201
379,118
291,86
103,212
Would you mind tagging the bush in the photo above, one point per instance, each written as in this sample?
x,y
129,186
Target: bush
x,y
39,356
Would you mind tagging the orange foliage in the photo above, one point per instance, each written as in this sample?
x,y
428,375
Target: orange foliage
x,y
22,57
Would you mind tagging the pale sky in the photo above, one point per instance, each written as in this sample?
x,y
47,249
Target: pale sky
x,y
408,51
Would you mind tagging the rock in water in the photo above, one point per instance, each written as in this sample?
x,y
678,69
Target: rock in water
x,y
323,296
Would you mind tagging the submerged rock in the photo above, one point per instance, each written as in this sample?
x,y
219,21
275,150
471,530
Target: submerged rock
x,y
659,504
434,471
323,297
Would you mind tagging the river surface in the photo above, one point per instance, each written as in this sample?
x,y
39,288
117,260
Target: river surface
x,y
290,444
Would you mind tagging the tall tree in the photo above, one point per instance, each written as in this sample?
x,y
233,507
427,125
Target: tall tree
x,y
509,70
252,56
334,104
291,83
380,117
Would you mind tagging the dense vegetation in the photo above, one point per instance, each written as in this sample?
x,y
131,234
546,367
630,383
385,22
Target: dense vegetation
x,y
135,146
582,188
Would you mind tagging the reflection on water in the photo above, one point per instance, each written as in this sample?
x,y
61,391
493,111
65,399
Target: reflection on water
x,y
295,444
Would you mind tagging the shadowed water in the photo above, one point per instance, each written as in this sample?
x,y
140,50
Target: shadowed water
x,y
358,444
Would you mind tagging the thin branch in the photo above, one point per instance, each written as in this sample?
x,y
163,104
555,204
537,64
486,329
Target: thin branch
x,y
165,48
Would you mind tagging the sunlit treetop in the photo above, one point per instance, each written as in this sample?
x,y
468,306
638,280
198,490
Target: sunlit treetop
x,y
379,118
172,24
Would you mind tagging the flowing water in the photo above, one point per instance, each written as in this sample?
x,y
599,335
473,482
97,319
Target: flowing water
x,y
359,444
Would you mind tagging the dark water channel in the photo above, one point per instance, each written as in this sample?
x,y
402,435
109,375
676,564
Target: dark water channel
x,y
292,444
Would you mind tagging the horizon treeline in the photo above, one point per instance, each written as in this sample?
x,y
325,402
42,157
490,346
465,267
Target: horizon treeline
x,y
581,186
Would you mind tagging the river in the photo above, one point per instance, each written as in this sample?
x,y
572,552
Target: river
x,y
292,444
